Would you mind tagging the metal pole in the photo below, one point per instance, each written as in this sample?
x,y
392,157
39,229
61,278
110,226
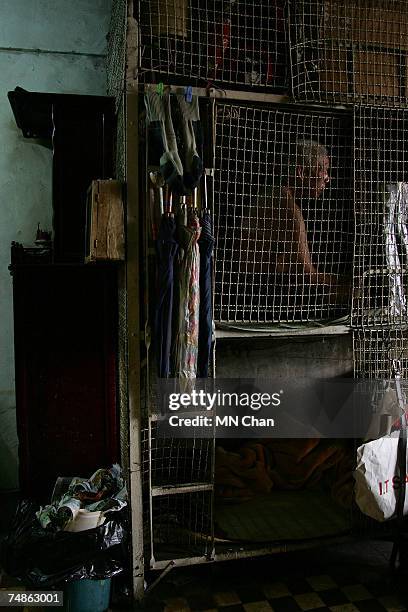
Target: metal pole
x,y
134,343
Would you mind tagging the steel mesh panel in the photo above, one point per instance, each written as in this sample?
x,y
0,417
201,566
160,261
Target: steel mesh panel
x,y
350,50
116,57
122,374
381,217
237,42
182,525
260,274
115,66
180,461
120,144
116,71
376,350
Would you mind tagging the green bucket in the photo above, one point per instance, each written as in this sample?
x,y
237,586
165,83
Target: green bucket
x,y
87,595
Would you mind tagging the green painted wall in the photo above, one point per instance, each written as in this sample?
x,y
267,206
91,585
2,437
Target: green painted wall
x,y
45,45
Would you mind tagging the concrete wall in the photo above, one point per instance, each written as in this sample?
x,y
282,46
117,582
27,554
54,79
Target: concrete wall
x,y
45,45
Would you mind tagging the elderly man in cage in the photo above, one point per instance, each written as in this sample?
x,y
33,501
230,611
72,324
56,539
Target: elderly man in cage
x,y
281,231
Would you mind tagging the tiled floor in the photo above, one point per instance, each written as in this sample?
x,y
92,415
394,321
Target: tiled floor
x,y
347,578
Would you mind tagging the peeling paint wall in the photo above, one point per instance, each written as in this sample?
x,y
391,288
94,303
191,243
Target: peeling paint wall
x,y
49,46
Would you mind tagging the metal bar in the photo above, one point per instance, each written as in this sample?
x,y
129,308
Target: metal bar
x,y
212,92
180,489
236,551
160,578
134,342
331,330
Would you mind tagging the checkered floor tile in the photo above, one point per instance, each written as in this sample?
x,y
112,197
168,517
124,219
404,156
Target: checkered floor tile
x,y
319,592
350,578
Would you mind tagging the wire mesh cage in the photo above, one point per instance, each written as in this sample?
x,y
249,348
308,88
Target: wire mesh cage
x,y
236,42
179,461
379,353
381,215
349,50
283,214
181,525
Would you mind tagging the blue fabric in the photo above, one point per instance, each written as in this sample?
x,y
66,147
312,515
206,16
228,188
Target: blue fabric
x,y
166,250
206,246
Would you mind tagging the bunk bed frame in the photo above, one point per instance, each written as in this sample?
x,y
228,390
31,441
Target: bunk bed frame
x,y
377,340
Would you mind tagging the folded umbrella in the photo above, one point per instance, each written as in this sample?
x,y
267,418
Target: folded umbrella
x,y
206,246
187,311
166,250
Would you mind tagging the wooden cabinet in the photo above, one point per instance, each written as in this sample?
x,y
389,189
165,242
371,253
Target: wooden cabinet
x,y
65,321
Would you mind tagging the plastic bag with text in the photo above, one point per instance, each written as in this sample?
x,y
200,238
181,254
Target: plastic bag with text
x,y
377,478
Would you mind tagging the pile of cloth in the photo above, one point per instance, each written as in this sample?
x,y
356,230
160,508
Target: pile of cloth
x,y
258,467
104,490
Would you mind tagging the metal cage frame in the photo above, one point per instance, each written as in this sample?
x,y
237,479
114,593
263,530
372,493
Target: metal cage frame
x,y
139,446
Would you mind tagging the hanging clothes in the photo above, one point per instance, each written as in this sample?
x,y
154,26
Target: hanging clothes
x,y
396,244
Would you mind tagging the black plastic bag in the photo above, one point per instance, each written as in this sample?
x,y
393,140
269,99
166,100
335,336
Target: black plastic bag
x,y
43,559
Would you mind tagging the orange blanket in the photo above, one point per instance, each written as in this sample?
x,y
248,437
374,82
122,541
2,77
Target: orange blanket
x,y
259,466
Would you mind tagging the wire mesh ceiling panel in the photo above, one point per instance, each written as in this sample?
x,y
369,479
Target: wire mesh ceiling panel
x,y
283,214
381,213
350,50
236,42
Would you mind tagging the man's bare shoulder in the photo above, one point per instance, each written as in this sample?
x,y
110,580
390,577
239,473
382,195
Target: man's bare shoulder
x,y
275,194
278,200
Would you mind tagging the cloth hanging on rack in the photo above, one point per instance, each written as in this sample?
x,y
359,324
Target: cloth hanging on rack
x,y
206,246
190,130
162,140
396,244
166,250
175,146
187,303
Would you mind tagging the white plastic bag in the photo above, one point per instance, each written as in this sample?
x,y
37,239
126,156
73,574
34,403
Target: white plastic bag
x,y
377,478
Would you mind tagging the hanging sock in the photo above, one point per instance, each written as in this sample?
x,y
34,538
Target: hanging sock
x,y
163,138
191,131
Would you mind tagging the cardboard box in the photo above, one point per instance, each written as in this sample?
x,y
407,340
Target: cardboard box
x,y
376,74
333,73
369,22
169,18
105,229
361,50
